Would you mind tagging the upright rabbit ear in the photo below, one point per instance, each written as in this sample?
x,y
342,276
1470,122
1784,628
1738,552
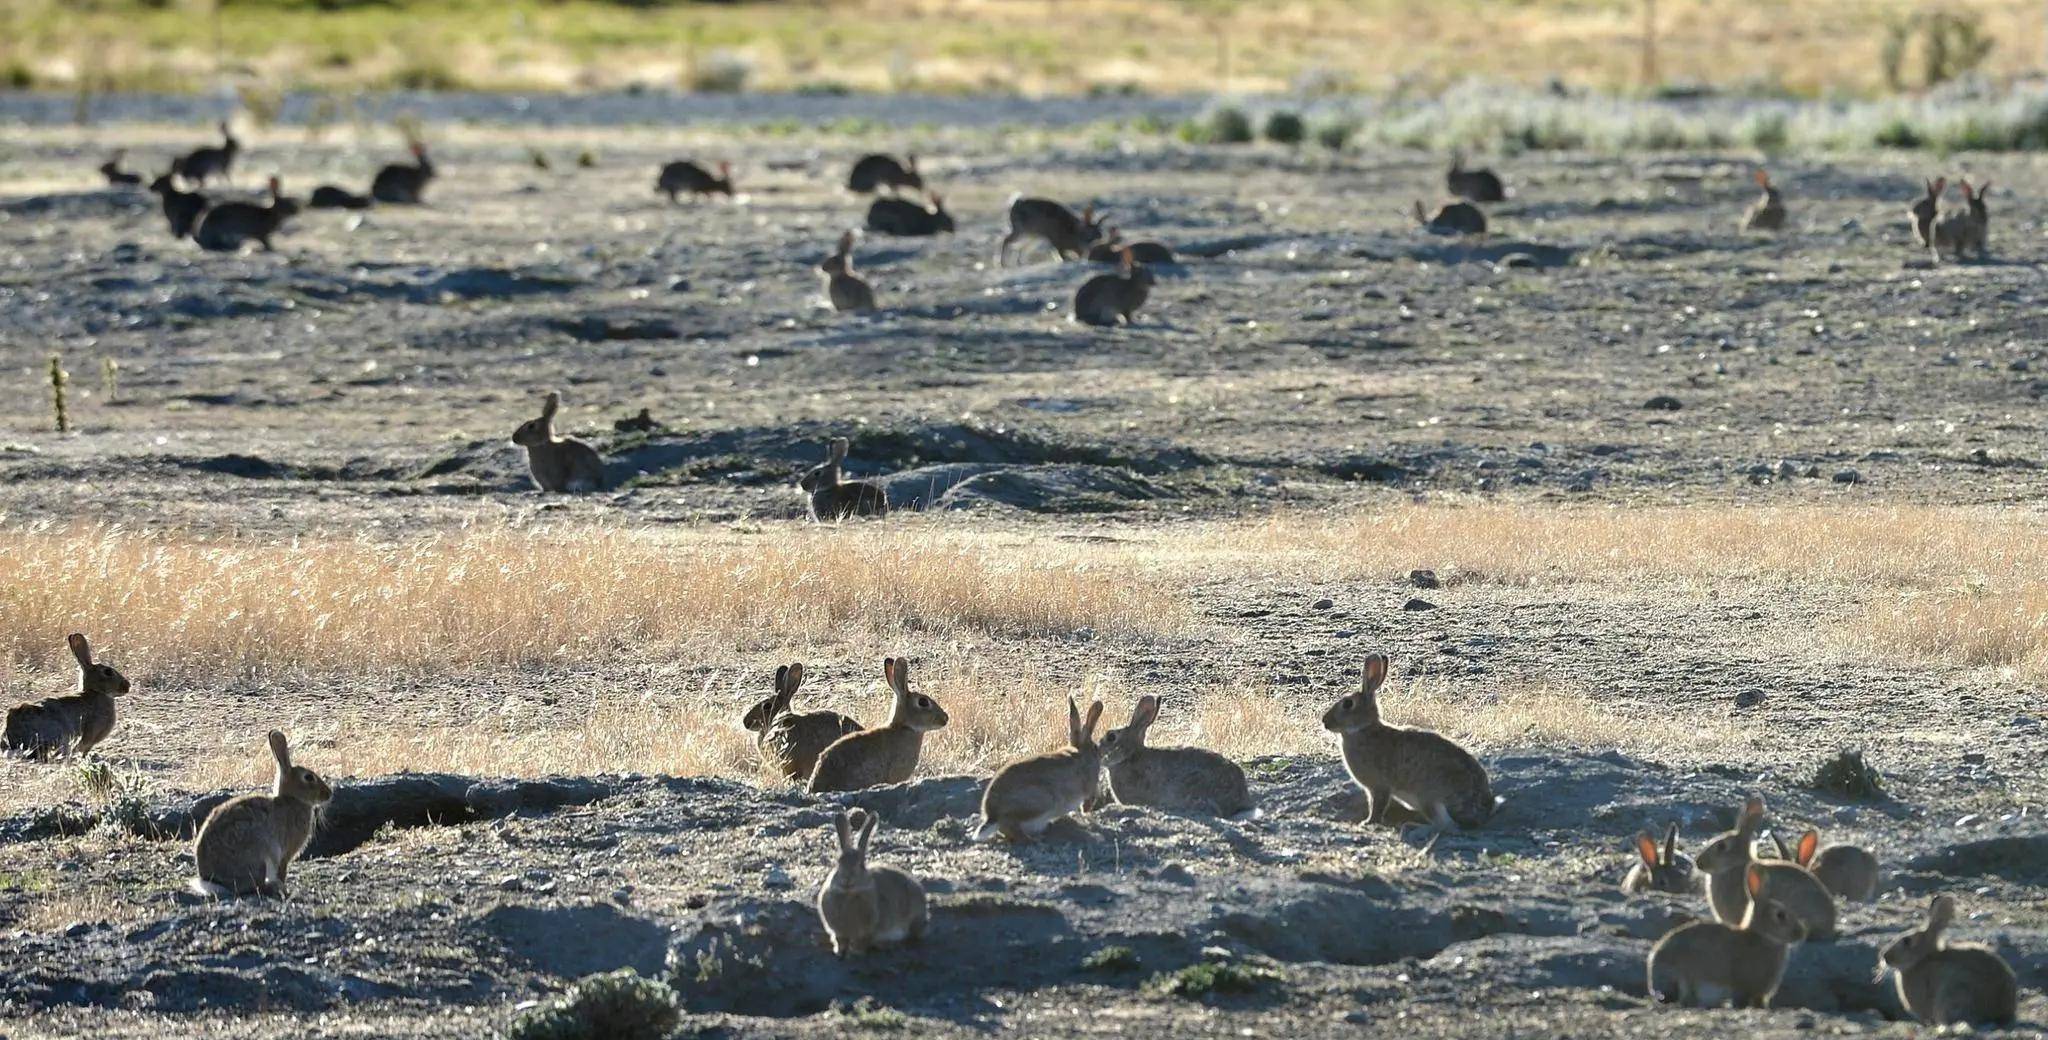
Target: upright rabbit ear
x,y
1809,843
1646,848
912,159
1088,214
781,680
1671,842
846,243
80,649
1763,178
280,750
1783,852
845,832
897,671
549,403
839,448
796,677
1753,881
1939,185
1375,674
1966,189
276,187
867,831
1983,189
1073,721
1094,716
1148,711
1941,912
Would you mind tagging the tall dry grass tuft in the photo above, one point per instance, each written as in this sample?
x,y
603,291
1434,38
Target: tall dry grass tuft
x,y
201,608
1980,627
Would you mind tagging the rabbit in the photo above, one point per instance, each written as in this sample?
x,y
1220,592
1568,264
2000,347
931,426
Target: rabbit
x,y
1925,209
1422,770
847,290
1452,218
1069,235
906,219
866,906
1944,982
887,755
1661,870
558,464
833,497
247,844
1180,779
115,175
1963,231
1114,299
1026,796
1111,249
1726,861
229,226
642,421
684,175
58,726
327,196
1473,185
790,742
203,164
873,172
404,184
181,208
1768,212
1848,871
1707,963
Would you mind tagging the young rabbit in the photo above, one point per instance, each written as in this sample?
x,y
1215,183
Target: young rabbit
x,y
906,219
833,497
181,208
247,844
1111,249
558,464
1767,213
1661,870
1727,860
686,176
229,226
1708,964
1848,871
847,290
790,742
1925,210
401,183
58,726
1452,218
1026,796
1069,235
1180,779
1473,185
327,196
887,755
1944,982
115,175
1113,299
866,906
1425,772
874,172
1963,231
203,164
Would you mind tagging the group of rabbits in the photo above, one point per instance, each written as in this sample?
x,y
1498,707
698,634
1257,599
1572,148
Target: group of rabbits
x,y
1955,231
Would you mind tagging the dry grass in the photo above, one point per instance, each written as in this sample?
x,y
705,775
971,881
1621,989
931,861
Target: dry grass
x,y
2003,626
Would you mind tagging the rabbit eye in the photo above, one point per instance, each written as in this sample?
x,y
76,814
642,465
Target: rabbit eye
x,y
924,702
1348,703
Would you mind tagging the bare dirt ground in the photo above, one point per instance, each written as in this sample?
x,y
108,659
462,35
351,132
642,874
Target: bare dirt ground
x,y
1315,353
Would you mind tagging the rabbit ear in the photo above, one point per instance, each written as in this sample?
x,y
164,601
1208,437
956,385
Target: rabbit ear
x,y
1941,912
724,170
846,243
1147,712
1763,178
1809,843
845,832
1671,842
1783,852
80,649
1073,721
276,188
1753,881
897,671
1983,190
796,679
781,682
1646,848
1966,189
867,831
1094,716
280,750
1088,214
549,403
1940,185
839,448
1375,674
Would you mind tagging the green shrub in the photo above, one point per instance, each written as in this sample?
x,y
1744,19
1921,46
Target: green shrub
x,y
1899,132
1768,132
1335,134
1214,976
619,1005
1111,959
1285,128
1226,125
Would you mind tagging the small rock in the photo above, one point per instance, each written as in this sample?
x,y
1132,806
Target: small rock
x,y
776,877
1345,633
1975,758
1749,698
1175,874
1663,403
1437,636
1786,470
1516,260
668,850
510,883
2019,365
1423,579
1848,476
1418,604
2026,722
679,285
1324,604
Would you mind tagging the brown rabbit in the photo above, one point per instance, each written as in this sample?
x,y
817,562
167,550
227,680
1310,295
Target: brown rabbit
x,y
1425,772
1848,871
1964,231
847,290
182,208
862,905
1028,795
876,171
1179,779
833,497
1114,299
231,225
1452,218
1708,964
1069,235
686,176
1925,209
60,726
115,175
404,184
1727,860
1661,870
1112,248
1766,213
790,741
1944,982
203,164
887,755
906,219
1473,185
558,464
247,844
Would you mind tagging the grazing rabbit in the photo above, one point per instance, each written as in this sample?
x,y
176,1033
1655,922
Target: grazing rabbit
x,y
115,175
790,742
1708,964
1768,212
1113,299
182,208
833,497
1848,871
1661,870
404,184
1436,778
231,225
684,175
1726,861
1069,235
847,290
1111,249
558,464
203,164
247,844
1180,779
1452,218
642,421
1964,231
327,196
887,755
1944,982
1473,185
873,172
1026,796
906,219
1925,209
866,906
59,726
